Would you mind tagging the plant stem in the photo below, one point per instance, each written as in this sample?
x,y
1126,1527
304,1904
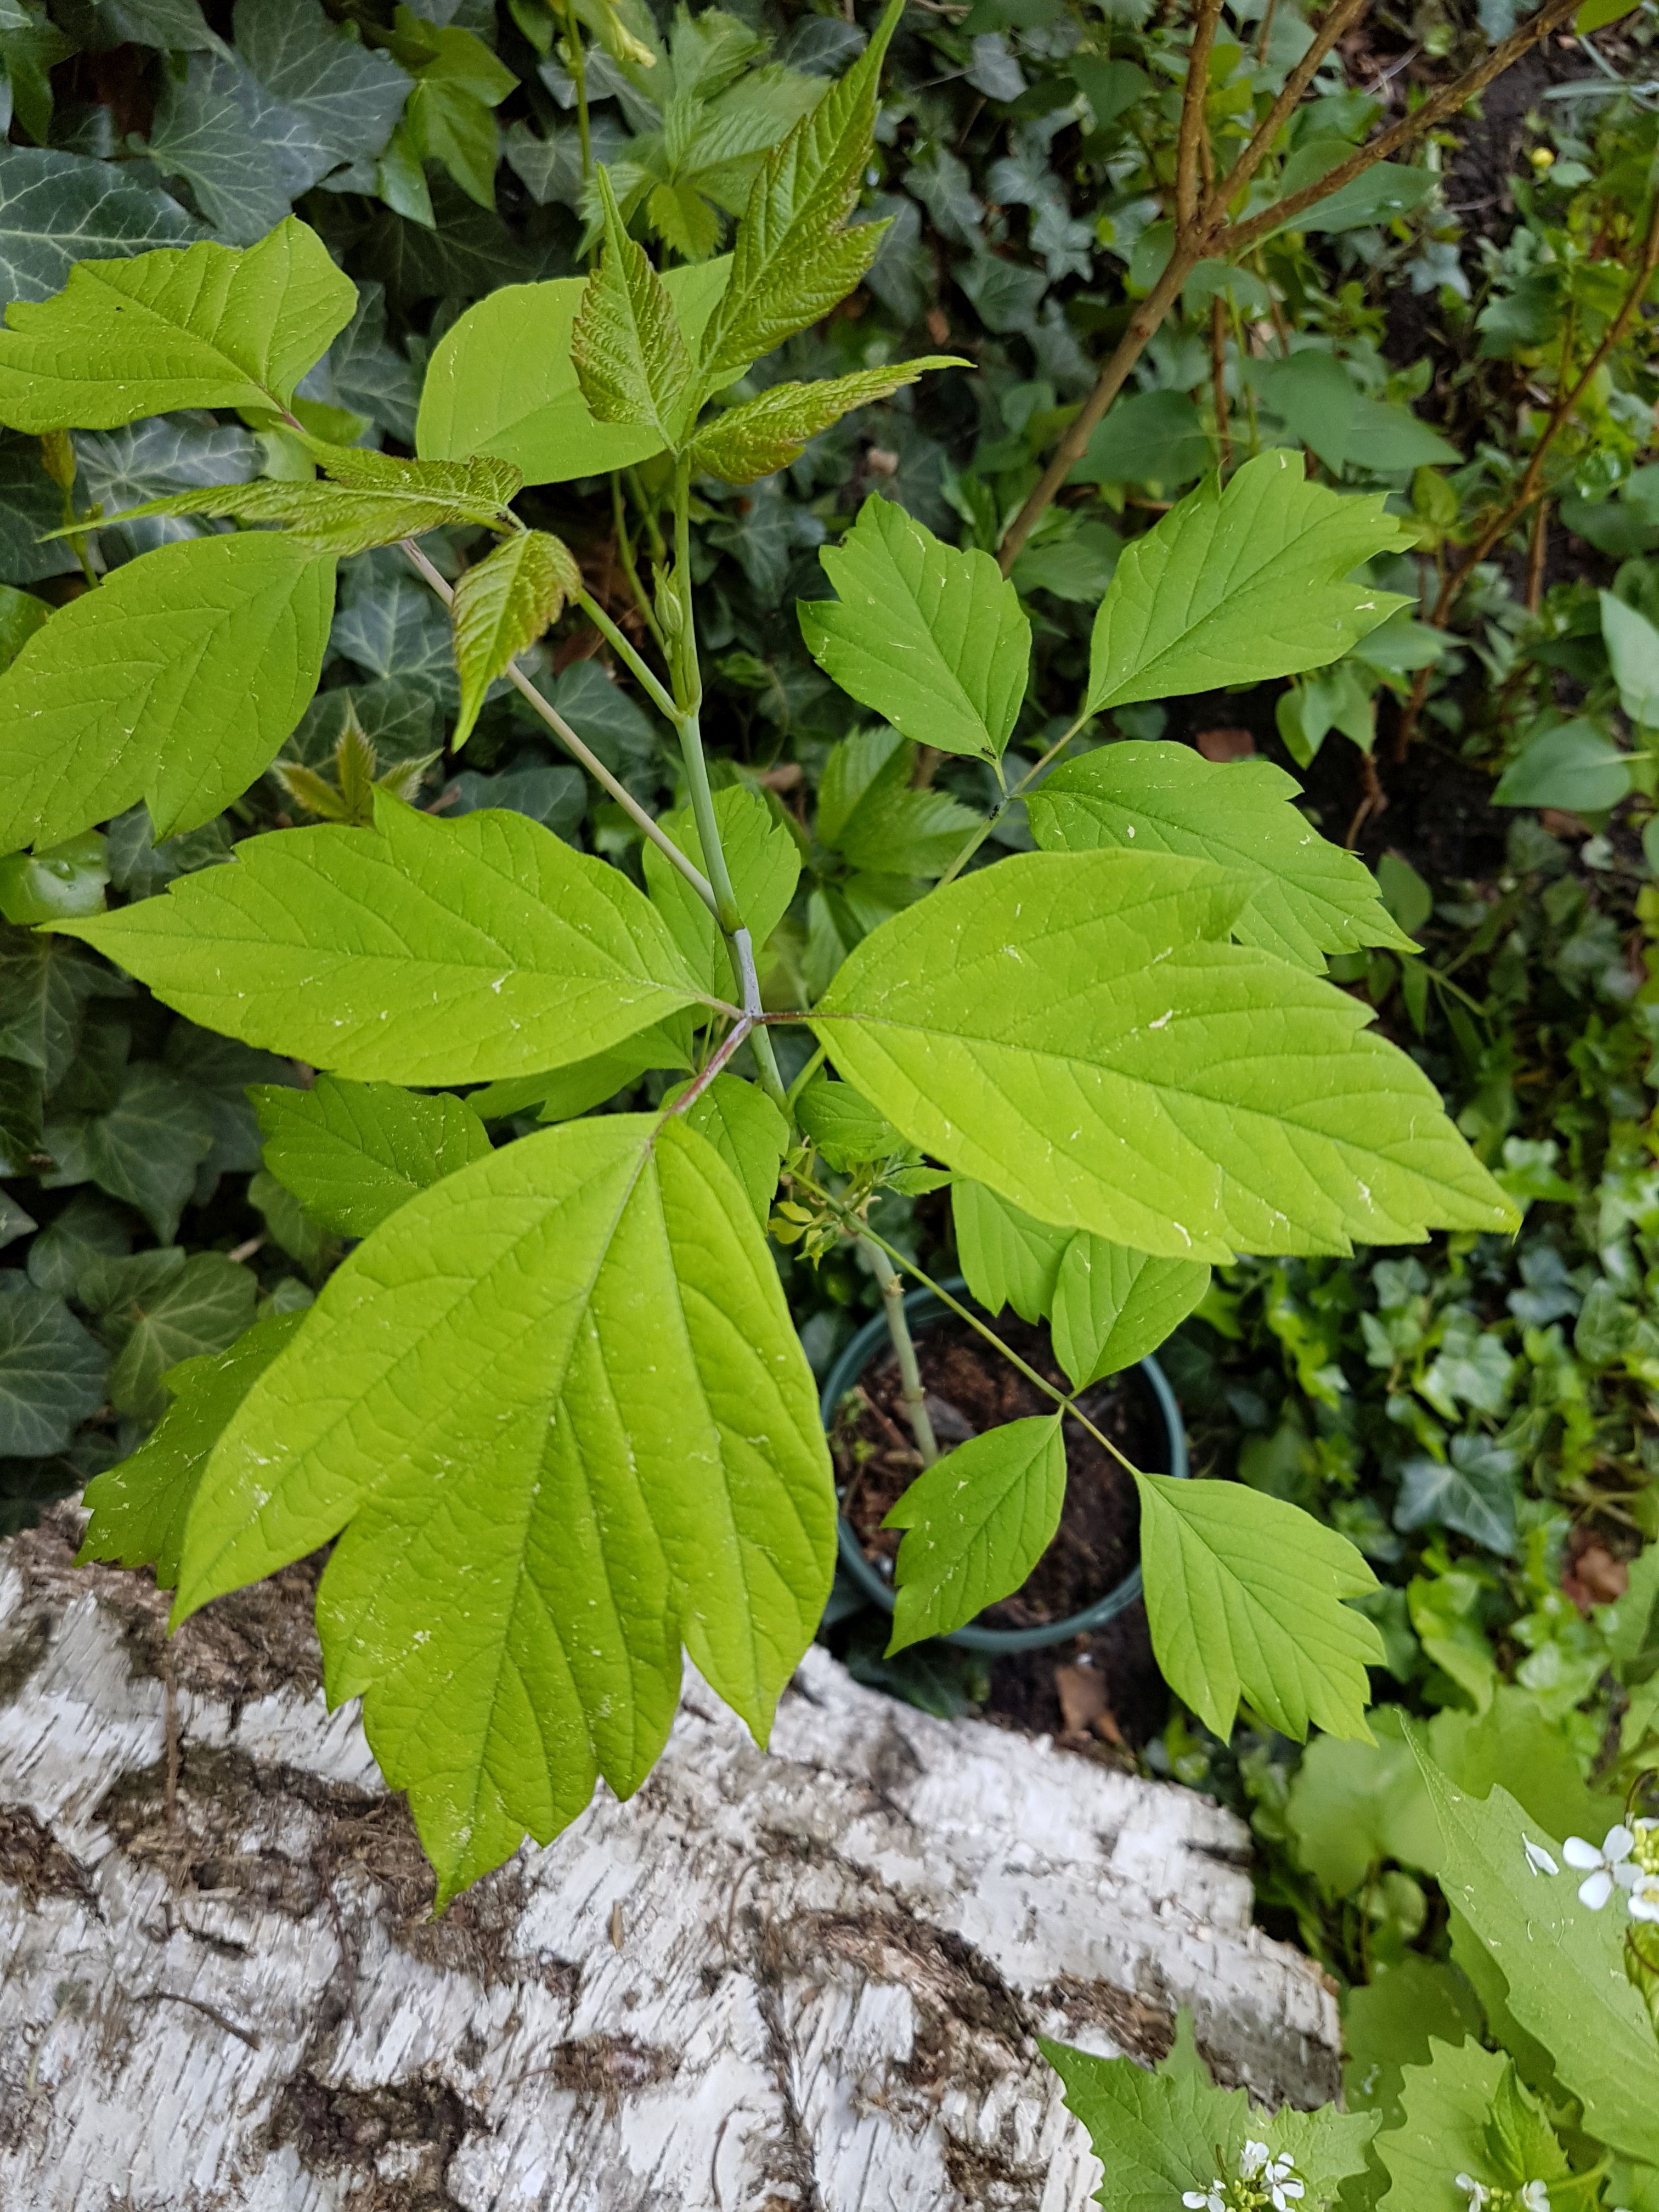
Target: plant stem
x,y
579,77
1219,380
629,569
1007,800
914,1396
589,759
621,645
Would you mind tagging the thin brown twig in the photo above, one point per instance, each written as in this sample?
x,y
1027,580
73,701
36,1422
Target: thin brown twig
x,y
1195,93
1537,554
1262,138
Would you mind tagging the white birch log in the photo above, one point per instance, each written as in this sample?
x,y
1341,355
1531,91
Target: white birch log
x,y
802,1982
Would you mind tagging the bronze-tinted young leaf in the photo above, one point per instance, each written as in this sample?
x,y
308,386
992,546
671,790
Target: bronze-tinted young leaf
x,y
765,435
503,605
627,344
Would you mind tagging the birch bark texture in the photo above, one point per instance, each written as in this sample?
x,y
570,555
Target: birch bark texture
x,y
801,1981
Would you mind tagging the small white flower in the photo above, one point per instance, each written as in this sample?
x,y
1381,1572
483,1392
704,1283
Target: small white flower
x,y
1253,2158
1601,1869
1643,1899
1205,2200
1535,2198
1540,1862
1474,2191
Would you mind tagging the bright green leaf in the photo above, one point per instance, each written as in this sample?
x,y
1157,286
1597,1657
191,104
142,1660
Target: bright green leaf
x,y
977,1521
206,326
500,606
1008,1258
1443,2128
64,880
1563,1965
844,1127
138,1507
1573,766
1238,584
175,682
502,380
934,639
556,1414
628,350
748,1132
875,817
1308,897
1113,1306
764,863
1354,1806
420,951
765,435
1243,1596
1072,1030
353,1152
1632,644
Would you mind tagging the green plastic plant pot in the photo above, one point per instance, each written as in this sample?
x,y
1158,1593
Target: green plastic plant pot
x,y
922,1309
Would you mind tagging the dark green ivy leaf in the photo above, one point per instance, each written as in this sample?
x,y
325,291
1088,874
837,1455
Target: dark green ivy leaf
x,y
52,1371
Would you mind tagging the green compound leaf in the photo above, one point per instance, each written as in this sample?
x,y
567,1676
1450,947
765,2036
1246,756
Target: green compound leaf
x,y
353,1152
502,379
1113,1306
557,1414
765,435
1565,1965
138,1508
1160,2135
503,605
791,261
978,1520
207,327
419,952
1237,585
1243,1596
1308,897
629,352
934,639
1008,1258
51,1372
764,863
1073,1030
176,682
370,499
748,1132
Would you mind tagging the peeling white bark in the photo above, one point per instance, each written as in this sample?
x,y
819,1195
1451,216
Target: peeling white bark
x,y
807,1980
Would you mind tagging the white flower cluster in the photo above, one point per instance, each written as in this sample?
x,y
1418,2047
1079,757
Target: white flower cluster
x,y
1628,1860
1263,2180
1483,2196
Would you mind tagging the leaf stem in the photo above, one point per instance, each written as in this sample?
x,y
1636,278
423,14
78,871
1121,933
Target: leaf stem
x,y
630,566
1007,800
579,78
911,1392
619,642
589,759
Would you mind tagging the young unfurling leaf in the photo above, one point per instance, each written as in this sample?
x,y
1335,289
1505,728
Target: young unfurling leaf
x,y
175,682
1308,897
503,604
352,1152
793,261
201,327
627,344
765,435
1238,584
601,1442
978,1520
934,639
1074,1030
418,952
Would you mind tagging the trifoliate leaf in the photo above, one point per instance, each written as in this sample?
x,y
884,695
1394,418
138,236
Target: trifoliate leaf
x,y
353,1152
209,326
200,1308
1308,897
764,861
629,352
1243,1597
1565,1965
978,1521
502,380
370,499
138,1508
1008,1258
1073,1030
748,1132
1113,1306
175,682
52,1371
420,951
500,606
765,435
791,261
1238,584
934,639
610,1402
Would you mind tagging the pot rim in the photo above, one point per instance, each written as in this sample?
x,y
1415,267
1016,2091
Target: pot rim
x,y
922,1310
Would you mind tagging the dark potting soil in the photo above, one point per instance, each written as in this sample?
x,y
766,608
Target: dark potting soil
x,y
1102,1688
